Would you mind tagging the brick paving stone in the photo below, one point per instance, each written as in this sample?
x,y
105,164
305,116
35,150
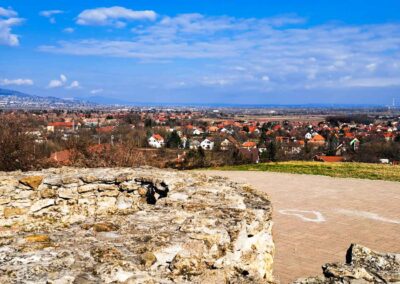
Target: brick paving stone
x,y
303,247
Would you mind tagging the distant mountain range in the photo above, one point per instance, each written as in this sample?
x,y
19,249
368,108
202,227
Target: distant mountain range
x,y
15,99
12,99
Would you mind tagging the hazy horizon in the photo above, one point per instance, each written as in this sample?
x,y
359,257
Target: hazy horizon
x,y
204,52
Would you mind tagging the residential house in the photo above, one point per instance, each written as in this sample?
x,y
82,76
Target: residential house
x,y
228,143
207,144
249,145
61,125
156,141
197,131
388,136
317,140
213,129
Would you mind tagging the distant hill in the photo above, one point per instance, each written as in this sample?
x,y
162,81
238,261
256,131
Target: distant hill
x,y
15,99
6,92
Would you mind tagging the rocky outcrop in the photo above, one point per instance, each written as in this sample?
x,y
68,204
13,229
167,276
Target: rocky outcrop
x,y
362,266
125,225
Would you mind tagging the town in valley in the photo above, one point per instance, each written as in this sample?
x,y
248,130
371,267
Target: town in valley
x,y
191,137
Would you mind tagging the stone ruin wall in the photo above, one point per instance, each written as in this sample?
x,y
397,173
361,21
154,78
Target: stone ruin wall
x,y
147,225
125,225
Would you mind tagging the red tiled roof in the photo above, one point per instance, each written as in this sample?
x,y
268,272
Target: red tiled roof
x,y
317,138
158,137
61,124
249,144
252,128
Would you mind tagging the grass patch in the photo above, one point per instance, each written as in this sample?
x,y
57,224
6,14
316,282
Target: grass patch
x,y
343,170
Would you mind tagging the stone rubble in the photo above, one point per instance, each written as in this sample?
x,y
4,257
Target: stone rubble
x,y
123,225
363,265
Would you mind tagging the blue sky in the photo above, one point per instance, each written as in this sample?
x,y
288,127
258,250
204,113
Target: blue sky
x,y
187,51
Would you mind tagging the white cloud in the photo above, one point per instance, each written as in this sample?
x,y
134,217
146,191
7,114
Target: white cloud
x,y
68,30
50,14
17,82
74,85
312,56
7,13
96,91
63,78
63,82
8,19
57,83
265,78
113,16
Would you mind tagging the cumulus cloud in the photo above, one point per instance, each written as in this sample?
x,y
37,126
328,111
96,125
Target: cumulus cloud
x,y
113,16
7,13
50,14
57,83
17,82
299,57
74,85
8,19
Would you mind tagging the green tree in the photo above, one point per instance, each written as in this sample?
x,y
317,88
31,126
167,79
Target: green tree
x,y
174,141
272,151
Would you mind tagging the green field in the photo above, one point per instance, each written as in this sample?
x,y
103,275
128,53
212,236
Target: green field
x,y
344,170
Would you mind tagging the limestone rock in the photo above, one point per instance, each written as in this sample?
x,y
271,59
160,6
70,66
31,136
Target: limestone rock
x,y
40,204
5,200
48,193
13,211
362,266
37,239
32,181
124,225
87,188
105,227
67,193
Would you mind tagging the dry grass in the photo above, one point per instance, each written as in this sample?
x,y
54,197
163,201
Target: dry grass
x,y
343,170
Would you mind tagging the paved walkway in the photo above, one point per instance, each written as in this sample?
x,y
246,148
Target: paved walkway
x,y
316,218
